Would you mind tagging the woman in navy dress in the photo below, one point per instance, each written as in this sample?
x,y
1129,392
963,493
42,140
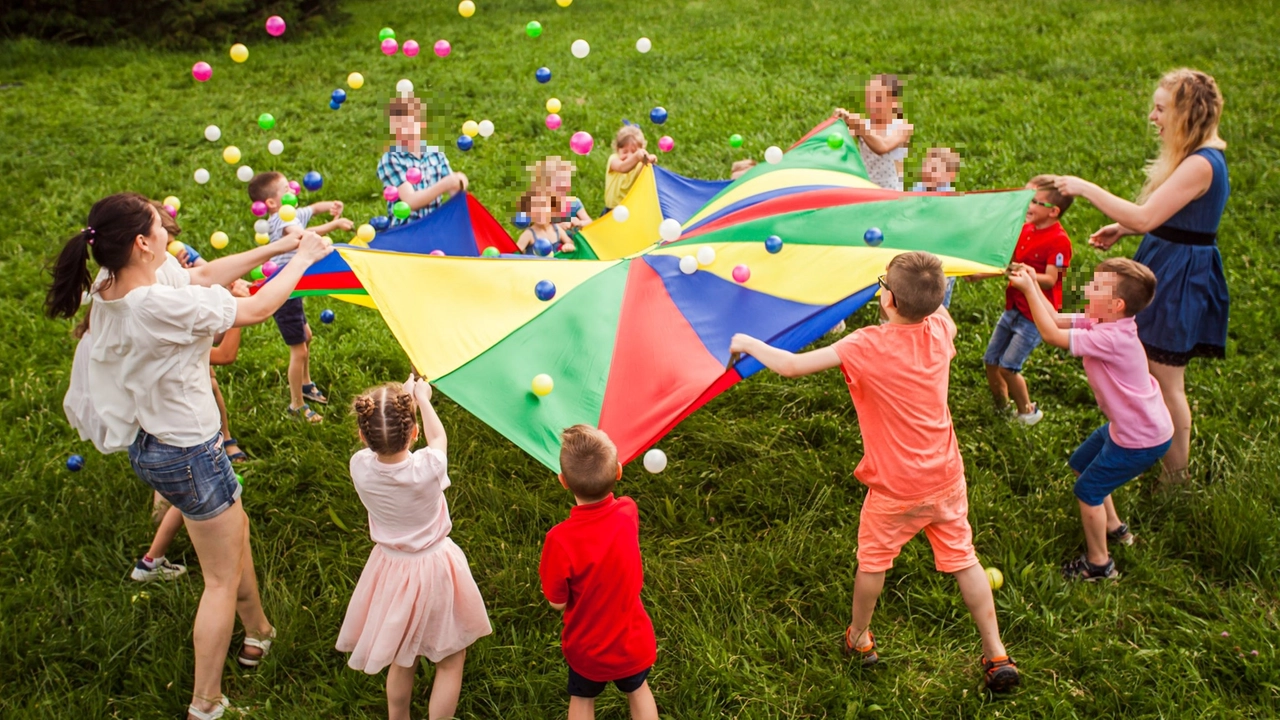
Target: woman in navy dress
x,y
1177,214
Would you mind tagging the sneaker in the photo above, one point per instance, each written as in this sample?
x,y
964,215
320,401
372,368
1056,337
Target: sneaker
x,y
1031,418
1082,569
1120,536
161,570
1001,674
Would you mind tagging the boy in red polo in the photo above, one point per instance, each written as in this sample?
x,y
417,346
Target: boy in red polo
x,y
591,570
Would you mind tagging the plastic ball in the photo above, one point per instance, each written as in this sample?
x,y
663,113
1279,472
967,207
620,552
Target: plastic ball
x,y
437,253
261,226
490,251
669,230
390,194
380,222
706,255
355,81
666,144
773,155
244,173
338,95
688,264
335,105
581,142
442,48
269,268
471,128
289,199
259,209
543,75
521,220
620,214
545,290
173,211
542,247
231,154
365,232
201,176
212,133
75,463
413,175
465,142
326,316
266,121
287,213
773,244
741,273
261,238
219,240
256,273
294,187
173,202
202,71
405,86
486,128
873,236
655,461
533,29
644,45
411,48
240,479
401,209
995,577
542,385
466,8
658,115
553,105
174,247
386,34
275,147
580,49
554,122
735,140
390,46
835,142
275,26
239,52
312,181
564,3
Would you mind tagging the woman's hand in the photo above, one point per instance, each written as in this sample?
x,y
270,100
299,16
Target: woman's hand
x,y
1071,186
313,247
1106,236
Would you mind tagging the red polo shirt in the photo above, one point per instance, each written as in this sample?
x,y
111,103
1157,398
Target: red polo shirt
x,y
592,562
1040,249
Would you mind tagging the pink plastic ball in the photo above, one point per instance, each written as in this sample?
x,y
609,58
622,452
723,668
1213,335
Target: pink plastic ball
x,y
259,208
443,48
201,71
436,252
411,48
295,187
390,46
275,26
173,211
665,143
413,175
741,273
390,194
269,268
553,122
581,142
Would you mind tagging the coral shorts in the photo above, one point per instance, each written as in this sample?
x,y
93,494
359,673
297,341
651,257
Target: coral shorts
x,y
887,523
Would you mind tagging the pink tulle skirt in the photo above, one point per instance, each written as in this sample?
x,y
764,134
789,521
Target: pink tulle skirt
x,y
408,605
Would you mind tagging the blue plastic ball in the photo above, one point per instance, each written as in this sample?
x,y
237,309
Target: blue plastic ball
x,y
542,247
326,316
545,289
543,75
521,220
873,236
75,463
333,105
773,244
380,222
465,142
339,96
658,115
312,181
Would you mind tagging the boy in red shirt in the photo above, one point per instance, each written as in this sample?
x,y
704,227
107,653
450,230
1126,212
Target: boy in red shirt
x,y
591,570
1045,248
898,373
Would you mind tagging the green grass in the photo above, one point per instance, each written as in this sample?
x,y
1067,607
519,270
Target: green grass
x,y
749,537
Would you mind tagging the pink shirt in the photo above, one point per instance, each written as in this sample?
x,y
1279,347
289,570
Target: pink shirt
x,y
407,510
1116,366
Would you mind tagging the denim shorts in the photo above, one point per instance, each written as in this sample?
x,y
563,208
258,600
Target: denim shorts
x,y
946,296
1104,466
1012,342
584,688
198,480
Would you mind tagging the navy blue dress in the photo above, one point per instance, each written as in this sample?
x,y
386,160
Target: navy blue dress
x,y
1188,317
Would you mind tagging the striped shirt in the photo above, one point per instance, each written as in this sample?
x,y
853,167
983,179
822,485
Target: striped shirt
x,y
395,163
275,230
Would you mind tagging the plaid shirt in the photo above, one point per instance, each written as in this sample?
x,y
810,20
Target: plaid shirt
x,y
397,161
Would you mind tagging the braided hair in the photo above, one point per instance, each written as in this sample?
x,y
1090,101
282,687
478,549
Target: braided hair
x,y
385,417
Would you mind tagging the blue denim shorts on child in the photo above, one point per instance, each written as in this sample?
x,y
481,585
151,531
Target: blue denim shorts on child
x,y
197,480
1012,341
1104,466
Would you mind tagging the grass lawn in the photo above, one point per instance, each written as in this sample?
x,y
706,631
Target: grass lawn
x,y
749,537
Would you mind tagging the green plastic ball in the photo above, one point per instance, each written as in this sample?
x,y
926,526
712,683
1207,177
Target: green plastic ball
x,y
401,209
240,478
385,33
256,273
289,199
490,251
835,142
735,140
533,29
266,121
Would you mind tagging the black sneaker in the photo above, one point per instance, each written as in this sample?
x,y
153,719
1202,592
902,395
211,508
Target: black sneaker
x,y
1001,674
1082,569
1121,535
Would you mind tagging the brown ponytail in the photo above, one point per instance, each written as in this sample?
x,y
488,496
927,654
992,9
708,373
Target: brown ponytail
x,y
385,417
114,222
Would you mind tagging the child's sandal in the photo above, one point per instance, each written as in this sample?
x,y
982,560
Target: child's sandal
x,y
214,714
305,412
236,457
312,393
868,651
264,645
1001,674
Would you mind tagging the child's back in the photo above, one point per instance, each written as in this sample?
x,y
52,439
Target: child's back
x,y
405,500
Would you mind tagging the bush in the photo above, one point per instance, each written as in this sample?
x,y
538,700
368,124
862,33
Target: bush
x,y
164,23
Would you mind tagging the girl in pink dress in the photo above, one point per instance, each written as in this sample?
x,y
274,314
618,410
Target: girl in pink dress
x,y
416,597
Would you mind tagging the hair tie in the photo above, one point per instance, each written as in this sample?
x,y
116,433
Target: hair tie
x,y
89,229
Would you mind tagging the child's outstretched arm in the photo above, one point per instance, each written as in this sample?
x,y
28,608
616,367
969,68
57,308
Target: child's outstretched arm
x,y
432,428
1046,318
786,364
334,224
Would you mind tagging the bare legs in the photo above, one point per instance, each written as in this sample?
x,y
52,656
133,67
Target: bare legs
x,y
1172,381
299,372
444,690
641,702
165,534
1006,385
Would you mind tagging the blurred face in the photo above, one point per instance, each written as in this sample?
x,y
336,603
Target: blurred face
x,y
404,126
1160,103
1100,294
561,179
1038,213
934,171
880,101
540,210
628,147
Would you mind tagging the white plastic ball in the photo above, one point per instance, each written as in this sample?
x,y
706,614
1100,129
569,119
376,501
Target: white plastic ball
x,y
404,87
669,230
202,176
580,49
706,255
655,461
773,155
244,173
486,128
212,133
644,45
261,226
621,213
275,147
688,264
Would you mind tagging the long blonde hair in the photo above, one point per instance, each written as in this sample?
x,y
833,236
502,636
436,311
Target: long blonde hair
x,y
1190,123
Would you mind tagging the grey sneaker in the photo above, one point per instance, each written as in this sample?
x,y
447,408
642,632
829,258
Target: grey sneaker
x,y
162,570
1031,418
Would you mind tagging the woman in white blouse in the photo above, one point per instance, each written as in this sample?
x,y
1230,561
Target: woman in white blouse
x,y
149,383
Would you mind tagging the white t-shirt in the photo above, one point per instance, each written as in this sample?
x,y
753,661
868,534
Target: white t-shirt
x,y
275,231
407,509
149,366
883,169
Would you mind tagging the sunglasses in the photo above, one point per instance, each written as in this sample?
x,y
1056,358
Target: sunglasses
x,y
884,284
1043,204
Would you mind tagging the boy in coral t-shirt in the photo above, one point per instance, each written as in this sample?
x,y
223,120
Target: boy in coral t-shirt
x,y
591,570
898,374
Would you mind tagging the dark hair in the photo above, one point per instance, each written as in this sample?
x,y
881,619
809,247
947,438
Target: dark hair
x,y
385,418
917,283
588,462
113,224
1045,184
1136,284
262,185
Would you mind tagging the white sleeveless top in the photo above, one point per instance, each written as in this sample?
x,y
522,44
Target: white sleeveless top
x,y
883,169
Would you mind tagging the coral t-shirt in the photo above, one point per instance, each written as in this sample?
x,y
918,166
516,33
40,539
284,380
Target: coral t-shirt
x,y
1040,249
898,376
592,562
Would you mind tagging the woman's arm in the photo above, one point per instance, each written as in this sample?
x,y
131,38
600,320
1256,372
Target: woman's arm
x,y
225,270
1188,182
256,309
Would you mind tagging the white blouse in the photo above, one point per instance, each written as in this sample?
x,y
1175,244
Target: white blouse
x,y
883,169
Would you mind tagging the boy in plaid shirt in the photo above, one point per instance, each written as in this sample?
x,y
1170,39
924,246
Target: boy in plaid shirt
x,y
408,152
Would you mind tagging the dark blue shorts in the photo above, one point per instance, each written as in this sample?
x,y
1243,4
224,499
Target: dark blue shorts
x,y
291,319
198,480
1104,466
584,688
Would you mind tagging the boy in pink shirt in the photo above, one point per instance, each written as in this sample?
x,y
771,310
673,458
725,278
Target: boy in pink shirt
x,y
1138,430
898,374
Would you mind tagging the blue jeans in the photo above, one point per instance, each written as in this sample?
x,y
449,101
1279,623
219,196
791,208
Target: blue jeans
x,y
946,297
1012,341
1104,466
198,480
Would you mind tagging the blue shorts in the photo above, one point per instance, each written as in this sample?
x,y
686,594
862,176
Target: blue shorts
x,y
1012,341
946,296
584,688
1104,466
198,480
291,321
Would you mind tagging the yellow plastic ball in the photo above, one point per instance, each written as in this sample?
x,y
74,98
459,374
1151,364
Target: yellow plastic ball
x,y
995,577
553,105
261,238
355,80
174,248
239,52
327,240
218,240
365,232
173,202
564,3
288,213
466,8
470,128
543,385
231,154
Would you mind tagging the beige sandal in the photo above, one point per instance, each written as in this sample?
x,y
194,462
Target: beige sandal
x,y
252,661
214,714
